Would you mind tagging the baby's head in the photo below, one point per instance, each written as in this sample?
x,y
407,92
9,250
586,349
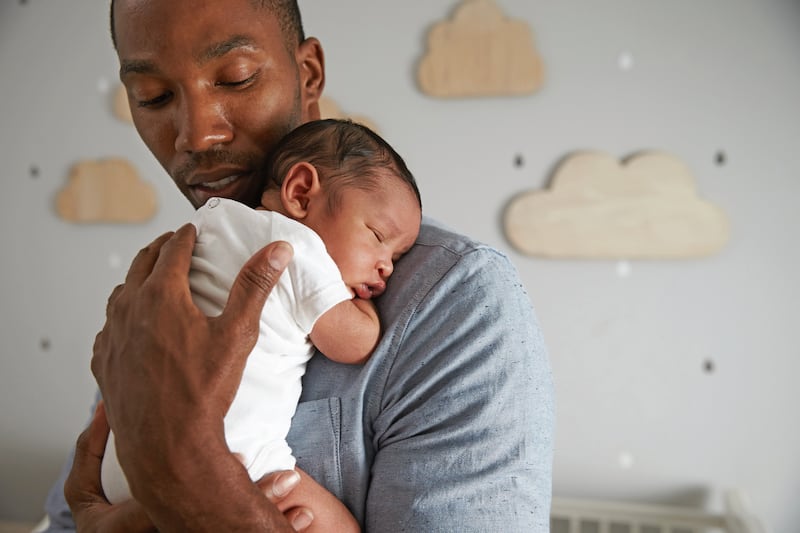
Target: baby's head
x,y
345,182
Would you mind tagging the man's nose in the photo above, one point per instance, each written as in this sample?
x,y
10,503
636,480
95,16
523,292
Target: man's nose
x,y
201,123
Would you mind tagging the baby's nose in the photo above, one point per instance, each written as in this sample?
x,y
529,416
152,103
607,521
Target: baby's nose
x,y
385,269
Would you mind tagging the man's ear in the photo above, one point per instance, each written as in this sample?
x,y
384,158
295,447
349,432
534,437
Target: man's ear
x,y
300,186
311,65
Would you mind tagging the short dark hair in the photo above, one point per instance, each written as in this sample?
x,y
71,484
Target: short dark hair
x,y
345,154
286,11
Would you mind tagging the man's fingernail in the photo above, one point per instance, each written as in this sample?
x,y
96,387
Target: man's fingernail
x,y
280,255
302,520
285,483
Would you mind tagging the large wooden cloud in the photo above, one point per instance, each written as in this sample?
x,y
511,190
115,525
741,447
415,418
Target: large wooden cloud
x,y
480,52
106,190
646,207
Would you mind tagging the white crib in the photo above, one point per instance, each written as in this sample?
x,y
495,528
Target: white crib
x,y
595,516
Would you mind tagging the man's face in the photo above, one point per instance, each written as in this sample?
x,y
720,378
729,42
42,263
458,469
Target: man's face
x,y
212,88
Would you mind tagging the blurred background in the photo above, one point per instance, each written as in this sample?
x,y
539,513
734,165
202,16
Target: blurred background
x,y
676,380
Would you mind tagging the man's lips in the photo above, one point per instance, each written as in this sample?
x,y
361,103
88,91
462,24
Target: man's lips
x,y
227,184
218,184
216,179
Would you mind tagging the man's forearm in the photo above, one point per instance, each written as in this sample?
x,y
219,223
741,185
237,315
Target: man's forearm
x,y
208,490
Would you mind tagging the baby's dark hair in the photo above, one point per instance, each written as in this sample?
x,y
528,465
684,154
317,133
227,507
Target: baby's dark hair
x,y
345,154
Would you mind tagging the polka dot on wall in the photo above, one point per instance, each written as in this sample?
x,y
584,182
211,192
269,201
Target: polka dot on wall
x,y
114,261
624,269
625,61
103,85
625,460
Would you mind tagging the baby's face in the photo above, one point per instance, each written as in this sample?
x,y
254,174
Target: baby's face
x,y
368,232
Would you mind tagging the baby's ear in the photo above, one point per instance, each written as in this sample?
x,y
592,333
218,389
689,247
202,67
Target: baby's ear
x,y
299,186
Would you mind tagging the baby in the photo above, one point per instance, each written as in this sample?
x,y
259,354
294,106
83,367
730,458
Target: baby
x,y
350,208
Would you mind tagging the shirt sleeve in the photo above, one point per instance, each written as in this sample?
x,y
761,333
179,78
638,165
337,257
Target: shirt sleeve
x,y
59,516
316,280
464,434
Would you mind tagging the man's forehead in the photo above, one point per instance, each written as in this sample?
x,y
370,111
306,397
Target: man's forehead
x,y
222,25
212,51
218,49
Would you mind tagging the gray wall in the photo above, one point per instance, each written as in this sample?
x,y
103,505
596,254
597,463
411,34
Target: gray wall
x,y
639,416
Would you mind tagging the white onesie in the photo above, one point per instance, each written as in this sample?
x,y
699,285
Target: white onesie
x,y
228,234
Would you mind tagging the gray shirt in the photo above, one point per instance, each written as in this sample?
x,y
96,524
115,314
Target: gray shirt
x,y
449,425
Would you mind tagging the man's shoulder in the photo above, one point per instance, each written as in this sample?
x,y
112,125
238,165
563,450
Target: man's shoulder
x,y
434,234
436,251
439,250
445,259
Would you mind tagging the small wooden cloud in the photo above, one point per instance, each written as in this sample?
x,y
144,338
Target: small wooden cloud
x,y
480,53
596,207
106,190
328,108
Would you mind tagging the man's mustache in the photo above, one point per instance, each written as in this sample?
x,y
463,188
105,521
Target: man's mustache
x,y
213,158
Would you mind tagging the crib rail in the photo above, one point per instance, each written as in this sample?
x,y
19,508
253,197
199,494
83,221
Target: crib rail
x,y
597,516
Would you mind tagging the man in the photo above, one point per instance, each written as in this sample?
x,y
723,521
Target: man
x,y
449,425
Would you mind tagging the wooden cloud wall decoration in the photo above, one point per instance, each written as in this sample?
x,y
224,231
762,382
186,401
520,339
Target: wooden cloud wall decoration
x,y
597,207
106,190
480,52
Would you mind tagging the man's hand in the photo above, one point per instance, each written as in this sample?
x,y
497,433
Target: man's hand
x,y
168,374
156,338
307,500
90,509
92,512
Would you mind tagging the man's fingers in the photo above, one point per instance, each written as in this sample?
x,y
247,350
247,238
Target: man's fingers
x,y
299,518
96,434
143,263
278,485
83,490
113,297
175,255
84,478
252,286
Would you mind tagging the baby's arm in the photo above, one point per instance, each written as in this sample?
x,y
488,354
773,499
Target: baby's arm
x,y
348,332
